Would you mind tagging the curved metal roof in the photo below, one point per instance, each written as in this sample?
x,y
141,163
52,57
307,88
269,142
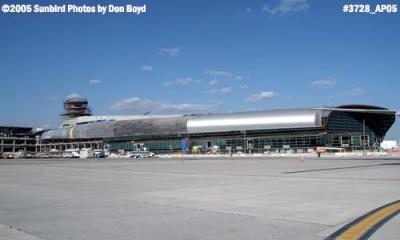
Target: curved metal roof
x,y
359,108
92,119
61,133
271,119
226,122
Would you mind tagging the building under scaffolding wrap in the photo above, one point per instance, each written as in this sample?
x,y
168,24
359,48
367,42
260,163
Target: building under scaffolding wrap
x,y
347,126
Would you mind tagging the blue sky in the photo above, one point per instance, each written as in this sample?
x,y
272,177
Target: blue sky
x,y
198,56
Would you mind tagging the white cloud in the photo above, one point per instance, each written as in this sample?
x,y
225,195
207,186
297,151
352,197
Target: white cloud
x,y
244,86
94,81
324,83
172,52
181,82
147,68
286,7
355,92
218,73
73,95
222,91
136,104
261,96
213,82
226,90
223,74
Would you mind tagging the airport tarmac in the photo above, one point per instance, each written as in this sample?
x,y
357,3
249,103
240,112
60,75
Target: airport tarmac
x,y
238,198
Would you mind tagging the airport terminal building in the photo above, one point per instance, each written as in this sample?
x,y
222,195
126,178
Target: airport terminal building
x,y
351,127
14,139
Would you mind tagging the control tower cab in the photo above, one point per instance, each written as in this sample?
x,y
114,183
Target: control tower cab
x,y
76,107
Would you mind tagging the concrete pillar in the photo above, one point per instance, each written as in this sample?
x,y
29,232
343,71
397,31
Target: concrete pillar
x,y
2,147
13,145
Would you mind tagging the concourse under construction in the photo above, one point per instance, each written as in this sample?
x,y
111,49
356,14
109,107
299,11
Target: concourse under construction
x,y
350,127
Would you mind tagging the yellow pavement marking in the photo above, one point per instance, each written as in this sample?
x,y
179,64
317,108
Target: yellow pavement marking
x,y
359,229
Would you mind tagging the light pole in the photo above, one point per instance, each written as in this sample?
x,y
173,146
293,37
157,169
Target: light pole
x,y
363,138
244,141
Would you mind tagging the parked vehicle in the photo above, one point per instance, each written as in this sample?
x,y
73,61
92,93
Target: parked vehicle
x,y
11,155
29,155
86,153
72,154
141,154
99,154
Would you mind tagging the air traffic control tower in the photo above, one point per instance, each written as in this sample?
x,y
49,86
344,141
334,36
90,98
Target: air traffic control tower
x,y
76,107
